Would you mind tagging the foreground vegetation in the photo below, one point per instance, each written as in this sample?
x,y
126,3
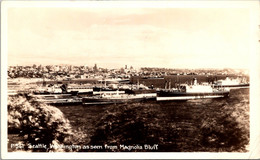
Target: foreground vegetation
x,y
39,123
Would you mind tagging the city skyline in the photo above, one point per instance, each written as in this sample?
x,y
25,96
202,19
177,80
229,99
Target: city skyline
x,y
91,66
141,37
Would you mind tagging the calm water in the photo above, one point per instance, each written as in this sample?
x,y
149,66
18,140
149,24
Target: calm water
x,y
213,125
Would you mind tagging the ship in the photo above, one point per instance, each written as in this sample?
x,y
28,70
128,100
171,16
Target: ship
x,y
62,95
231,83
115,97
103,88
81,89
142,90
72,89
58,99
189,92
131,89
114,80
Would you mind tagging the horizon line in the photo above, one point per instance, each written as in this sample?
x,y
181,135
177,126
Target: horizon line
x,y
191,68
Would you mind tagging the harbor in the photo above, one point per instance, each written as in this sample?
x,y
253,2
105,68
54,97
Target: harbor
x,y
171,107
127,87
109,91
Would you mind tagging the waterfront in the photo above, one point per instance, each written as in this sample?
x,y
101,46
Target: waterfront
x,y
202,125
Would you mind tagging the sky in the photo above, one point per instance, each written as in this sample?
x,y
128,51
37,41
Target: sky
x,y
138,37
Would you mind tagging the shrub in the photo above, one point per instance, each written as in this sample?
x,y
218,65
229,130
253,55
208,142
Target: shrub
x,y
131,125
227,131
39,123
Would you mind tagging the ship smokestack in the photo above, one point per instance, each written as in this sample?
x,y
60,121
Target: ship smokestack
x,y
194,81
138,84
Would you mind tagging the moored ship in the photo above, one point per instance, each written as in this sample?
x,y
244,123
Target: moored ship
x,y
61,95
116,97
188,92
72,89
231,83
80,89
58,99
131,89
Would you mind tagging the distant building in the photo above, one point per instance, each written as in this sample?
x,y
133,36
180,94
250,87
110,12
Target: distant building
x,y
95,68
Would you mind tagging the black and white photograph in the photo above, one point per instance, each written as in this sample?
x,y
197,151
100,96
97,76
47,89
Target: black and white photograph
x,y
118,77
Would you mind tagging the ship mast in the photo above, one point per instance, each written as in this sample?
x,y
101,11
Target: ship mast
x,y
138,84
170,84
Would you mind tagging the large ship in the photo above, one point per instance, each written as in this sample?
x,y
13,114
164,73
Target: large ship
x,y
114,80
62,95
114,97
132,89
81,89
188,92
58,99
72,89
231,83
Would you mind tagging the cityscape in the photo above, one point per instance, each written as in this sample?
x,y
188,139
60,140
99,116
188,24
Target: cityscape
x,y
68,72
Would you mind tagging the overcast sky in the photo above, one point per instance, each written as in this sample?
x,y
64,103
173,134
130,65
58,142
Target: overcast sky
x,y
141,37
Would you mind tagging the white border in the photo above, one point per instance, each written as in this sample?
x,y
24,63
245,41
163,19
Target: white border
x,y
254,78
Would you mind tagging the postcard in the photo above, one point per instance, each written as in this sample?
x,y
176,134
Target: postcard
x,y
130,79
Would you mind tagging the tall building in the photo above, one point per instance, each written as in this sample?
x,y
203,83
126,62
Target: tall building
x,y
95,68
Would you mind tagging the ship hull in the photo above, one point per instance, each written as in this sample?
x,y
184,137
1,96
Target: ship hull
x,y
168,96
236,86
112,100
60,102
143,91
58,99
54,93
109,101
